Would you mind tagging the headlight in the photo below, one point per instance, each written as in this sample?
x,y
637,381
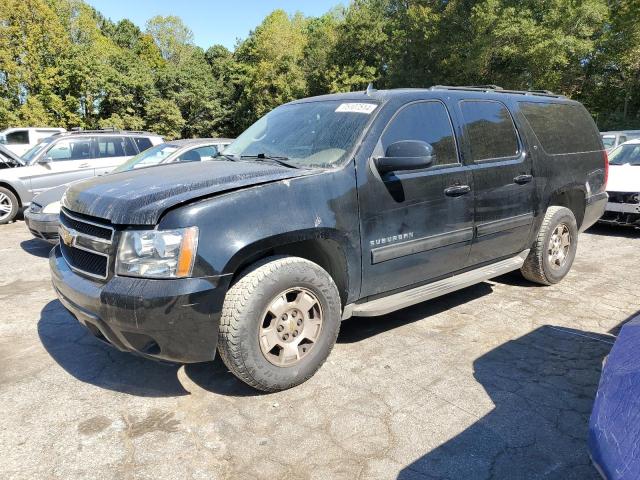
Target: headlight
x,y
157,253
52,208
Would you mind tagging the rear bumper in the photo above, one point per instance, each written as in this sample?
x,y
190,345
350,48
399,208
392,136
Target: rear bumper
x,y
43,225
594,208
174,320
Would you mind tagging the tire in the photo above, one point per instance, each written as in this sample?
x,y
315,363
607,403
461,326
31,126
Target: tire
x,y
248,326
9,206
549,262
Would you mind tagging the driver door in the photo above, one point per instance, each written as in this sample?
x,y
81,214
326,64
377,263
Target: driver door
x,y
417,225
67,160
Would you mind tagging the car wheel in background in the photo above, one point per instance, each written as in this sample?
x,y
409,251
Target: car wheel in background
x,y
9,206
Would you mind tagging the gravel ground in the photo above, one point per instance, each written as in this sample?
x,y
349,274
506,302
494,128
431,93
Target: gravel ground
x,y
495,381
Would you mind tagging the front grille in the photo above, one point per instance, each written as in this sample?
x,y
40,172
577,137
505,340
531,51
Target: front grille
x,y
86,262
86,227
623,197
85,245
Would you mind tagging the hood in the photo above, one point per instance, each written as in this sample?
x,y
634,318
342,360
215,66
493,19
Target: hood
x,y
140,197
8,158
50,196
624,178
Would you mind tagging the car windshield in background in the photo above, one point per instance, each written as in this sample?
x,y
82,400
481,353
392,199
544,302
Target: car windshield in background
x,y
608,141
305,135
33,152
626,155
153,156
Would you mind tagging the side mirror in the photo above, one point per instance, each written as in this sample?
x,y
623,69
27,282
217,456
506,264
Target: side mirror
x,y
406,155
46,159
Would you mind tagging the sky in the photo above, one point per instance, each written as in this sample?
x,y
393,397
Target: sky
x,y
213,21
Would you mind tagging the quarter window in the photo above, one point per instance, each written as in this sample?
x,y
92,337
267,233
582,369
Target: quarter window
x,y
489,129
428,122
143,143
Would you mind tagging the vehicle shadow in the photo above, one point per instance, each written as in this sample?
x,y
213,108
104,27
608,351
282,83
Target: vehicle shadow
x,y
357,329
91,361
543,385
36,247
605,230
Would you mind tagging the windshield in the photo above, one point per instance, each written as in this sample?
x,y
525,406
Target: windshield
x,y
148,158
35,150
313,134
609,141
626,155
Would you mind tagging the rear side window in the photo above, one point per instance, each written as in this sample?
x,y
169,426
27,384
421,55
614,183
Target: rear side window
x,y
428,122
143,143
111,147
490,130
19,137
562,128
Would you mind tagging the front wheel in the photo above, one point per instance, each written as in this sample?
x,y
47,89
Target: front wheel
x,y
279,323
9,206
554,250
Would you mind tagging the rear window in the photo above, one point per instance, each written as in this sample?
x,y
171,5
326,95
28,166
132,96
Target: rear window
x,y
143,143
490,130
562,128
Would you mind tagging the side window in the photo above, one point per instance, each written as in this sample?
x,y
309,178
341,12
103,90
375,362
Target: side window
x,y
426,121
129,147
490,130
192,155
72,149
621,139
110,147
562,128
143,143
205,153
19,137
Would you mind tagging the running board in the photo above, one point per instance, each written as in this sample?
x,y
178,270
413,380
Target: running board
x,y
396,301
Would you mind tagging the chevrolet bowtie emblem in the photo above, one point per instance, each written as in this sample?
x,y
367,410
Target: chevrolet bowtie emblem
x,y
67,236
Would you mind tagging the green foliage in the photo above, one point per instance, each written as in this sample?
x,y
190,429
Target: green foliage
x,y
63,64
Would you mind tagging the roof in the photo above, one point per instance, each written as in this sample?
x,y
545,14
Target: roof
x,y
134,133
198,141
486,91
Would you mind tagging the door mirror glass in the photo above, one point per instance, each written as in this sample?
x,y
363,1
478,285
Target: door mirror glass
x,y
406,155
45,159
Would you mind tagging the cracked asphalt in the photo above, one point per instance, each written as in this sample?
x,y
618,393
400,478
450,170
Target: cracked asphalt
x,y
495,381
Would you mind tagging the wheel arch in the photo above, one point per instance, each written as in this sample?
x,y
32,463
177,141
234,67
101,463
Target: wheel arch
x,y
325,247
573,198
13,190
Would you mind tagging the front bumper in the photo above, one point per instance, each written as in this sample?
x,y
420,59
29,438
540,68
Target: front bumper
x,y
43,225
174,320
593,210
625,214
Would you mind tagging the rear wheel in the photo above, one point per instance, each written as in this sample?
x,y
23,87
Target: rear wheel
x,y
279,323
554,250
9,206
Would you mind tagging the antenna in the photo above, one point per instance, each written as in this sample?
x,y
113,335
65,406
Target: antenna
x,y
369,89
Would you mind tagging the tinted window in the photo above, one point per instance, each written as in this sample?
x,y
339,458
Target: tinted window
x,y
562,128
426,121
490,130
19,137
74,149
111,147
143,143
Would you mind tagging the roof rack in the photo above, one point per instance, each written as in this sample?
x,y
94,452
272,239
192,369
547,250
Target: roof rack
x,y
80,130
497,89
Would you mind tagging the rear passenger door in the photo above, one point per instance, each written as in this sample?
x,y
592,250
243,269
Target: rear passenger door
x,y
111,151
502,179
416,225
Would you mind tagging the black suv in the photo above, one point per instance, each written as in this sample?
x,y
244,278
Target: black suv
x,y
327,207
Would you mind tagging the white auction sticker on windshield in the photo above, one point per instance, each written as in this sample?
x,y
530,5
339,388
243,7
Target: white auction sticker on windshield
x,y
365,108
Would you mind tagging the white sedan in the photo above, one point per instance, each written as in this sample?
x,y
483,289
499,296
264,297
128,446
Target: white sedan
x,y
623,186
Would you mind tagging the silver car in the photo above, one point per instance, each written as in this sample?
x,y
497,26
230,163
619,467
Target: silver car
x,y
43,214
64,158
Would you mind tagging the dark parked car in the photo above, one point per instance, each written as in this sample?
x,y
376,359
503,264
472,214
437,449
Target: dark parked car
x,y
339,205
43,213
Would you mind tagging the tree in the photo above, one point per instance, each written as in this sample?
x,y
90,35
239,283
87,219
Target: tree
x,y
172,37
164,118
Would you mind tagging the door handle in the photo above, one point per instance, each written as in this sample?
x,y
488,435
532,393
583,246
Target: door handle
x,y
84,165
522,179
457,190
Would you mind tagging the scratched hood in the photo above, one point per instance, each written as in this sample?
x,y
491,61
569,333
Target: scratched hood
x,y
140,197
624,178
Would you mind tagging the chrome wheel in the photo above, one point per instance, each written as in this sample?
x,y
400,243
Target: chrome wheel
x,y
6,207
290,326
559,245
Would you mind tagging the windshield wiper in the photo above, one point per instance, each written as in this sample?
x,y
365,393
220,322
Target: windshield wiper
x,y
228,157
278,159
